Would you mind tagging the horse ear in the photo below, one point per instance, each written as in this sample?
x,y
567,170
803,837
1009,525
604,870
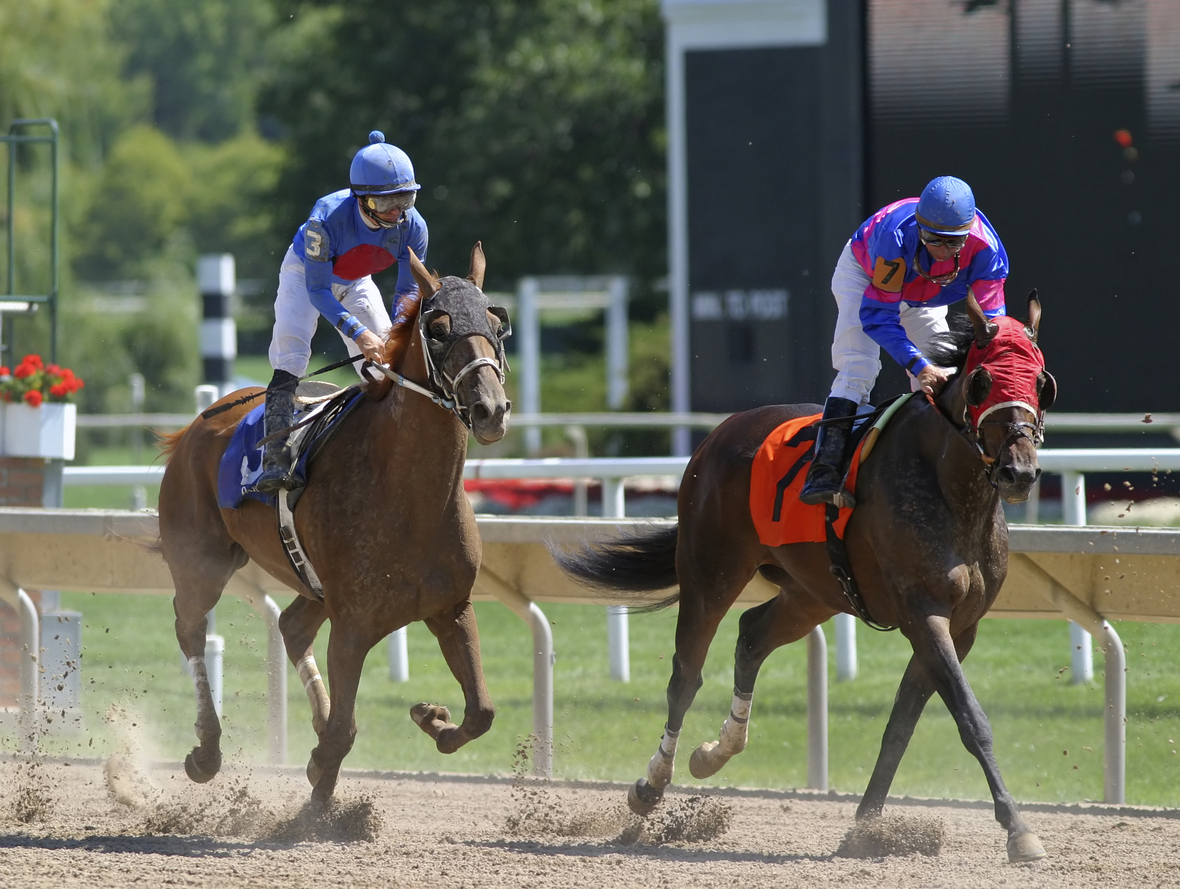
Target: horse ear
x,y
478,265
977,386
427,283
985,330
1034,313
1046,390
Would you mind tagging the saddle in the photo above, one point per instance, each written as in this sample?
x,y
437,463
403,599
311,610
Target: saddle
x,y
319,408
778,474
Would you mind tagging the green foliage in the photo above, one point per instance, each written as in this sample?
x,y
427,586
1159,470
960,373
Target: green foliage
x,y
204,61
138,208
231,203
158,342
60,59
536,128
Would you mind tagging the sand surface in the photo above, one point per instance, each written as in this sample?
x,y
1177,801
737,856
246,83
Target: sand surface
x,y
117,823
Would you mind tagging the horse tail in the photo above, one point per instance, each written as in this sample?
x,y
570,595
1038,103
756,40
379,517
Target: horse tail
x,y
639,562
169,441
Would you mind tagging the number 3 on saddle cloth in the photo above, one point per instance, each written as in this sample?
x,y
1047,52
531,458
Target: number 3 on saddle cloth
x,y
778,474
241,464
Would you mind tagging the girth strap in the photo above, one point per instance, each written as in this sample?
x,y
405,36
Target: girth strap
x,y
842,570
294,549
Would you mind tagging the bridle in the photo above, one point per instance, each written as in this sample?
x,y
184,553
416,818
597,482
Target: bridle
x,y
442,386
1034,432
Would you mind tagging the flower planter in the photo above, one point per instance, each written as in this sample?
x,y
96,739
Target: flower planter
x,y
45,431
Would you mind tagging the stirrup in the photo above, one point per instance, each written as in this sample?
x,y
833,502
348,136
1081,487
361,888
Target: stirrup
x,y
274,480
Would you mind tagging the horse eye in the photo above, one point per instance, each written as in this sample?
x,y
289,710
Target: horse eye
x,y
440,327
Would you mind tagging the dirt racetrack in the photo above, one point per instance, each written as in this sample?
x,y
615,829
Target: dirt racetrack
x,y
94,824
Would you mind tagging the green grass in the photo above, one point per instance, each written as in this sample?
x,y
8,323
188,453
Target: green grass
x,y
1048,733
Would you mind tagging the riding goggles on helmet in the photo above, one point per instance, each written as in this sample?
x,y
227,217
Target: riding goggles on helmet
x,y
932,240
387,203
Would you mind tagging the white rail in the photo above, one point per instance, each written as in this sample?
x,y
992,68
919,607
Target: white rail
x,y
1055,572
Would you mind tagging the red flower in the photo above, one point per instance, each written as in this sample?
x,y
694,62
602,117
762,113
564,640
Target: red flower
x,y
33,398
4,371
24,369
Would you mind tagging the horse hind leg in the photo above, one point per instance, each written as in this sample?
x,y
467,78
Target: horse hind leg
x,y
695,628
196,595
784,619
458,639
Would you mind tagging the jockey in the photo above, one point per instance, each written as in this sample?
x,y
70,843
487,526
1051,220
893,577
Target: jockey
x,y
350,235
893,283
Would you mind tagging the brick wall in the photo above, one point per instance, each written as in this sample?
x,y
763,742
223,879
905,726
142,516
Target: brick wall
x,y
22,483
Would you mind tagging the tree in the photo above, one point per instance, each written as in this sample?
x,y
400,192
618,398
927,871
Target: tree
x,y
204,61
534,127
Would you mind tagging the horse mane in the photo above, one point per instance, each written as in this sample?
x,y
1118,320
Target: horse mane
x,y
397,341
950,349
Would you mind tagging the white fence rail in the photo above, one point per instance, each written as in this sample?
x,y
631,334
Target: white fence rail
x,y
1054,573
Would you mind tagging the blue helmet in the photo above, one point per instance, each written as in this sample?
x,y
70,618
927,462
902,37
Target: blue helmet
x,y
946,207
381,168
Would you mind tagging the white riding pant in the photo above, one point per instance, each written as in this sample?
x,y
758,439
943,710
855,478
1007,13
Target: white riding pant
x,y
296,318
855,355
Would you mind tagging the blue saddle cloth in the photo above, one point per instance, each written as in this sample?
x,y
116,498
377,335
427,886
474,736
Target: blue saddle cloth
x,y
241,464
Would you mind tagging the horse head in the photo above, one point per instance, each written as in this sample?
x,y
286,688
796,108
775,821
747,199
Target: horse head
x,y
462,336
1002,397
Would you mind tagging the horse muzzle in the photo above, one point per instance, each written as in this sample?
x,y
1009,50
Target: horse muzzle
x,y
1015,480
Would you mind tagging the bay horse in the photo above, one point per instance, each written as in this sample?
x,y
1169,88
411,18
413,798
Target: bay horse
x,y
384,521
927,543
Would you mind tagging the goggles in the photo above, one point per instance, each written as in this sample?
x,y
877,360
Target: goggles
x,y
387,203
932,240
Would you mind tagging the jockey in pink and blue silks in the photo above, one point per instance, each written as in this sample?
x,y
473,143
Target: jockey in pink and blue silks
x,y
350,235
893,283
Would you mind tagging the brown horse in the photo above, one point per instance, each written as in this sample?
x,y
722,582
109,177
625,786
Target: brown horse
x,y
384,522
927,543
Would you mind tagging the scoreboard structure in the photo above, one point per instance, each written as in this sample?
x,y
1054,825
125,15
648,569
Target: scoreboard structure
x,y
789,121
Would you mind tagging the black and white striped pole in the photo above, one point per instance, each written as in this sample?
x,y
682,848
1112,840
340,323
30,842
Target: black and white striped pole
x,y
219,336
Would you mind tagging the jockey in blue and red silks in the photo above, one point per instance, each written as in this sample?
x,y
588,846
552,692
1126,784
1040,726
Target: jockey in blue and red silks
x,y
351,235
892,284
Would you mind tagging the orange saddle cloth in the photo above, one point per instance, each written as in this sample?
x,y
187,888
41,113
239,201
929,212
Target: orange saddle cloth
x,y
779,471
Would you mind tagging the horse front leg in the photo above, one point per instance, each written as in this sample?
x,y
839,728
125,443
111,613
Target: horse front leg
x,y
347,648
780,621
299,623
913,693
458,639
935,649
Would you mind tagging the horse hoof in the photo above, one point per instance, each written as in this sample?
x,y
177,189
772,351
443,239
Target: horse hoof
x,y
198,774
642,798
702,764
1025,847
314,772
423,714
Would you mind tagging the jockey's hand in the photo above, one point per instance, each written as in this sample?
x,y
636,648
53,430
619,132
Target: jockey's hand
x,y
932,378
371,346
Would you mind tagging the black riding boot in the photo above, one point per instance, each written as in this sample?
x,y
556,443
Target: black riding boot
x,y
279,415
825,478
